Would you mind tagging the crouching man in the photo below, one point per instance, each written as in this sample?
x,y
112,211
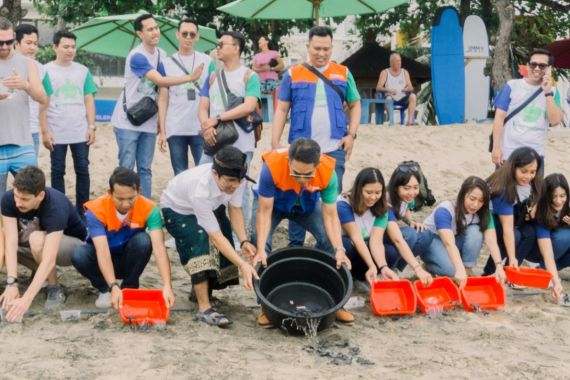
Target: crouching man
x,y
194,209
42,228
124,229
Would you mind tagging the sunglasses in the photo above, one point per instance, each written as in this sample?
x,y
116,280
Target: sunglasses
x,y
220,45
534,65
309,175
192,35
407,169
7,42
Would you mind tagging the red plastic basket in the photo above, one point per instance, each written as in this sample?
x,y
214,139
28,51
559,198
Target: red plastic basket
x,y
531,277
392,298
483,293
441,294
144,306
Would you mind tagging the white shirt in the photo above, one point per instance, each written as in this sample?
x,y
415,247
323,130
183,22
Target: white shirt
x,y
320,120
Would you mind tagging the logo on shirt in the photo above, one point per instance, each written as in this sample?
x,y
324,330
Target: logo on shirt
x,y
68,91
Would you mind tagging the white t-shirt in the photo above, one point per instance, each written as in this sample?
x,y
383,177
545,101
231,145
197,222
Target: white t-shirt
x,y
67,116
137,86
182,114
195,192
35,106
235,80
320,121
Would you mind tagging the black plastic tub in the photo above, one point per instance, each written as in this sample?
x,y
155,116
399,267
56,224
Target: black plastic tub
x,y
300,287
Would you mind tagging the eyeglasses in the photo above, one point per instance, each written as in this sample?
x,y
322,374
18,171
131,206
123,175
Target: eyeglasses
x,y
7,42
295,174
192,35
534,65
220,45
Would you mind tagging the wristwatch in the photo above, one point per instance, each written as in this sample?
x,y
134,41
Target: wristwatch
x,y
11,281
353,135
219,118
93,127
551,93
113,284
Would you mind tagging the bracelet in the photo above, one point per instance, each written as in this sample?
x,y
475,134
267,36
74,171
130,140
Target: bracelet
x,y
243,242
113,284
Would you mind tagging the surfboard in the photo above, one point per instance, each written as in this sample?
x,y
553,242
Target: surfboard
x,y
476,52
447,72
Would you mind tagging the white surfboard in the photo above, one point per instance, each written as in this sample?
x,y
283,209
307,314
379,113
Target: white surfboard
x,y
476,51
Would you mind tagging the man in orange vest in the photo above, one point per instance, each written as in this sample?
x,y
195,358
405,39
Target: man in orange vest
x,y
299,185
118,245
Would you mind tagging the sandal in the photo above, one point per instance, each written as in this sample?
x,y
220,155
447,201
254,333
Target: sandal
x,y
208,317
214,301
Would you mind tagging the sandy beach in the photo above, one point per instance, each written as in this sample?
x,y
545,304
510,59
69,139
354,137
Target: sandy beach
x,y
527,340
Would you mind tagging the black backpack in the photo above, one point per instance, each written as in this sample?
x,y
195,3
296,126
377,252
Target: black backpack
x,y
425,197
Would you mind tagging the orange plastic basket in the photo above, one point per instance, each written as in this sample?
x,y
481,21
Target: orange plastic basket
x,y
392,298
144,306
531,277
483,293
442,294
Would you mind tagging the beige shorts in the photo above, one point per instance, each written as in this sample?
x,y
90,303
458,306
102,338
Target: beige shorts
x,y
66,248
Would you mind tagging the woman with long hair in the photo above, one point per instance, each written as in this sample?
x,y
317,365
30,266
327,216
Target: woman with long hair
x,y
267,64
515,187
553,228
459,227
363,214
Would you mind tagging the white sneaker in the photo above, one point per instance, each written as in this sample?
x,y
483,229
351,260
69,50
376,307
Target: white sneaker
x,y
170,243
531,264
103,301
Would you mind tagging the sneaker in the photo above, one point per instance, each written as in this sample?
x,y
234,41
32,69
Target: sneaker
x,y
517,287
344,316
531,264
103,301
263,321
170,243
55,296
565,300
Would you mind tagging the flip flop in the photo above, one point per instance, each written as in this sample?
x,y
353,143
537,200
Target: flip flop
x,y
214,301
208,317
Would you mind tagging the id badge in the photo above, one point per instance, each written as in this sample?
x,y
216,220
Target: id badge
x,y
191,94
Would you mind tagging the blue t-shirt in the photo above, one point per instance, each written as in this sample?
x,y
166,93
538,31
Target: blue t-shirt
x,y
55,213
542,232
140,65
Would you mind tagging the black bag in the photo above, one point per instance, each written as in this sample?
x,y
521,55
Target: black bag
x,y
512,114
226,132
425,196
247,123
142,110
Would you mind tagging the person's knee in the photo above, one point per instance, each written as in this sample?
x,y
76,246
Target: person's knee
x,y
36,240
141,243
412,99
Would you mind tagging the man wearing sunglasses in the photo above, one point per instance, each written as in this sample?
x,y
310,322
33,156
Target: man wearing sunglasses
x,y
19,80
528,126
300,185
178,105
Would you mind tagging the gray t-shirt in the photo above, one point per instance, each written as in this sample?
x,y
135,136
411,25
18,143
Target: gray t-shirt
x,y
15,110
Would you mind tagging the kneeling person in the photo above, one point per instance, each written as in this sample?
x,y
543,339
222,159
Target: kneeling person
x,y
41,228
118,245
194,208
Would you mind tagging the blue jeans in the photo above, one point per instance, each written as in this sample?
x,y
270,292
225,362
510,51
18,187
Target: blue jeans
x,y
137,147
129,262
178,146
296,233
418,242
80,155
310,221
560,239
36,139
469,245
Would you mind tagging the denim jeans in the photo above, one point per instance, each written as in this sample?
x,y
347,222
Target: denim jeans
x,y
128,262
137,147
525,243
296,232
310,221
80,155
36,139
560,239
418,242
178,146
469,245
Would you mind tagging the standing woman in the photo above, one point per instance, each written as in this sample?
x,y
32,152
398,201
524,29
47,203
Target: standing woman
x,y
458,227
363,214
268,64
515,187
553,228
403,188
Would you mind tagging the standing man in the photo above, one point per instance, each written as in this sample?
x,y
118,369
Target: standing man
x,y
194,206
178,105
71,117
42,228
529,126
317,107
396,84
292,185
144,72
19,80
27,45
119,245
242,82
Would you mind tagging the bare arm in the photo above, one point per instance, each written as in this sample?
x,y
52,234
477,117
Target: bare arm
x,y
507,223
332,229
382,79
395,235
52,242
263,226
409,87
35,88
89,101
279,120
162,110
162,263
2,249
545,246
355,236
498,124
490,236
11,245
448,239
155,77
553,113
280,65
